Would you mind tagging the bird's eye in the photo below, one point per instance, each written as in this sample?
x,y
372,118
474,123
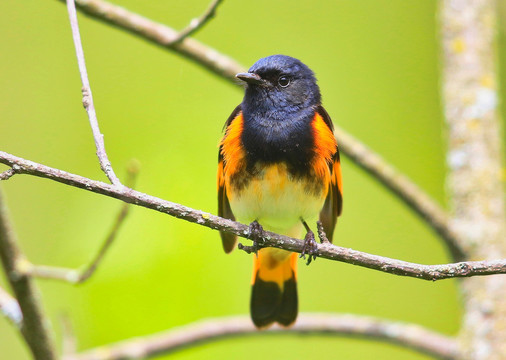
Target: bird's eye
x,y
284,81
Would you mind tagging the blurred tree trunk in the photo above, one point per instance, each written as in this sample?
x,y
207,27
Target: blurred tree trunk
x,y
475,189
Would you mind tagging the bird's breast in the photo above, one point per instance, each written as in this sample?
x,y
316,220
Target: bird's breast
x,y
274,197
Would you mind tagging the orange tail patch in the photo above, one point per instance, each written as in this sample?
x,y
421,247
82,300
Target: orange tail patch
x,y
274,288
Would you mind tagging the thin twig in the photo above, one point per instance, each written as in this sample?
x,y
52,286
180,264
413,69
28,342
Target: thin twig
x,y
224,66
327,251
35,327
407,335
105,164
10,308
78,276
197,23
7,174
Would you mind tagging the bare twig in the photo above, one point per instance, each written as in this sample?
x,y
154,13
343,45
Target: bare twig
x,y
10,308
78,276
7,174
105,164
226,67
197,23
35,326
327,251
411,336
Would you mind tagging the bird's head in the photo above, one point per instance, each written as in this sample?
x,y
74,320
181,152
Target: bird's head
x,y
280,82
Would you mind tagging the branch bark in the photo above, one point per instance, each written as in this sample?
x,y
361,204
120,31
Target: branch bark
x,y
474,161
105,164
411,336
35,327
269,239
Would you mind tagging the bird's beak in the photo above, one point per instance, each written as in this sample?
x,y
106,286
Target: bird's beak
x,y
250,78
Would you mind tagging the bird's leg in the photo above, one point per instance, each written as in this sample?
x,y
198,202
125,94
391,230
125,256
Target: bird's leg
x,y
256,232
310,245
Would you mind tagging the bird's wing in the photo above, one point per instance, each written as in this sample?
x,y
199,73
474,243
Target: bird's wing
x,y
224,209
334,202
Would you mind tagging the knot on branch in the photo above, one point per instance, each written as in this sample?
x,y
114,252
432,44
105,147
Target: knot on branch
x,y
7,174
86,96
464,269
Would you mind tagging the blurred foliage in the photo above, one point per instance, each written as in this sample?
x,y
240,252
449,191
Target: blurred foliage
x,y
377,62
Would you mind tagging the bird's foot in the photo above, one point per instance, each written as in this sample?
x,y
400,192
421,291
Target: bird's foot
x,y
310,247
256,233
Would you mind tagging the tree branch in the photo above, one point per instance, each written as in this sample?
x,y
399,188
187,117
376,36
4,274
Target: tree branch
x,y
411,336
105,164
35,326
197,24
10,308
226,67
269,239
7,174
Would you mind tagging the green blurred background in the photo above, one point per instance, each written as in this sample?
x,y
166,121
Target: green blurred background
x,y
378,67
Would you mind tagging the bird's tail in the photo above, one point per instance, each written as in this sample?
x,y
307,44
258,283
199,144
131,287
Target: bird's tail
x,y
274,288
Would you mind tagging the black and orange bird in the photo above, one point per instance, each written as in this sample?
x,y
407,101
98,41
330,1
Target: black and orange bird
x,y
278,170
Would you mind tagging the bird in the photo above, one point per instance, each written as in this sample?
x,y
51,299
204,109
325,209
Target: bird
x,y
278,168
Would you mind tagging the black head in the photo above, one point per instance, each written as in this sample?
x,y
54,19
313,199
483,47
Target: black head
x,y
280,83
278,107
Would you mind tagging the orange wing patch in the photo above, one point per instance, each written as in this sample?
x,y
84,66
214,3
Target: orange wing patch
x,y
230,157
325,147
231,149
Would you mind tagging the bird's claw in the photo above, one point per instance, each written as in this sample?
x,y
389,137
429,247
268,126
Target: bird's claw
x,y
310,247
256,231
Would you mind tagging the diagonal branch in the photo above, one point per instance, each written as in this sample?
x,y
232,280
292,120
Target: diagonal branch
x,y
224,66
268,239
407,335
197,24
35,326
105,164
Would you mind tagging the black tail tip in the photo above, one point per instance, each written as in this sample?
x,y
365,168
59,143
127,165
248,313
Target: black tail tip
x,y
270,303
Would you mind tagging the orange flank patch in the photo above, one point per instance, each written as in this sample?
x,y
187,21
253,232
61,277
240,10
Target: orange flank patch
x,y
231,148
325,146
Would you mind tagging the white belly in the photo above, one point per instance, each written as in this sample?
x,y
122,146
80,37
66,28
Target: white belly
x,y
277,201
